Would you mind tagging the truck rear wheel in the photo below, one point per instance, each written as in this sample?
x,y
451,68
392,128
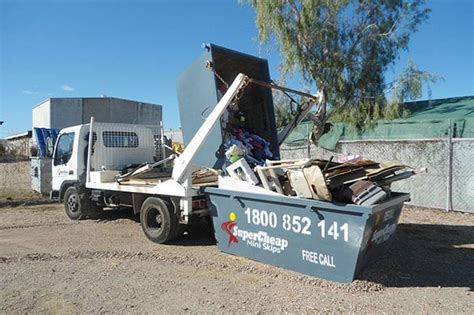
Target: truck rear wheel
x,y
158,220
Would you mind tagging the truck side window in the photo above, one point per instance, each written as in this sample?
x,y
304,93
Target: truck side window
x,y
64,148
120,139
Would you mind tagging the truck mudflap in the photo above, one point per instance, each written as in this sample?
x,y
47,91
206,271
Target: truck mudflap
x,y
328,240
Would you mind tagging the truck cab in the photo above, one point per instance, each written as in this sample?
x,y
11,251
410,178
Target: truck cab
x,y
67,166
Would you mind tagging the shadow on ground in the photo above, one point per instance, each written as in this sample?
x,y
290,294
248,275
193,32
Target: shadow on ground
x,y
10,202
422,255
425,255
112,215
199,234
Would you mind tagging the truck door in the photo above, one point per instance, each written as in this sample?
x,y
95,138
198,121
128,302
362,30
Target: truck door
x,y
64,165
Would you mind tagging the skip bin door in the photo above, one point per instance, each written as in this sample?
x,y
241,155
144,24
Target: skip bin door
x,y
199,90
197,96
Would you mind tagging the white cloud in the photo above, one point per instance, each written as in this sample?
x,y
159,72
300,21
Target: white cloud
x,y
30,92
67,88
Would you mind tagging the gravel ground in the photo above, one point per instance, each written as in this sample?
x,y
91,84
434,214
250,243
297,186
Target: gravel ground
x,y
50,264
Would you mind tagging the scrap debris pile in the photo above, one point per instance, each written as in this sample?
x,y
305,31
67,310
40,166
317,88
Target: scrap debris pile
x,y
351,180
241,141
250,146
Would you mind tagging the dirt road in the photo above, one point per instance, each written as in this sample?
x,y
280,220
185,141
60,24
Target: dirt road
x,y
51,264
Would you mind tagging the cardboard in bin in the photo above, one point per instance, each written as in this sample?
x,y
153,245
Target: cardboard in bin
x,y
328,240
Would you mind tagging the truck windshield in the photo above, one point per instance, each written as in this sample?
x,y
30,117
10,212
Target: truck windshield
x,y
64,148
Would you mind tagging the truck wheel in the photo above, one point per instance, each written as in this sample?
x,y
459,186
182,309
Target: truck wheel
x,y
73,204
159,223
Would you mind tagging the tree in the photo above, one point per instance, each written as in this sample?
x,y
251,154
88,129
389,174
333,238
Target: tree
x,y
344,47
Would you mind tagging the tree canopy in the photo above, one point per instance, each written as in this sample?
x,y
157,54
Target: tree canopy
x,y
345,48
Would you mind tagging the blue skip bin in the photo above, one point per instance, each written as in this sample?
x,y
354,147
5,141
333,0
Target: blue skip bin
x,y
328,240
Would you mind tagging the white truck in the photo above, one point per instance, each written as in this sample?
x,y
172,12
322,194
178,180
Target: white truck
x,y
88,178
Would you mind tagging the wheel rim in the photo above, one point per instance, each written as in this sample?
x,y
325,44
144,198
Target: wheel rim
x,y
154,221
72,203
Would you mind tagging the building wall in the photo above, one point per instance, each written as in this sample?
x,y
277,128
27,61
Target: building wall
x,y
65,112
121,111
15,177
42,115
149,114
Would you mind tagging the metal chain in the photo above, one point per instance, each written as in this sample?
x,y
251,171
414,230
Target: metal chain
x,y
210,66
221,79
240,92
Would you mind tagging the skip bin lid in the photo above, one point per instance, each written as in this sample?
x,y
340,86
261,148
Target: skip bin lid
x,y
199,90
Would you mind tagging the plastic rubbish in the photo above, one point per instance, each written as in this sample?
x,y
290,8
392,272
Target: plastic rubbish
x,y
252,147
235,150
241,170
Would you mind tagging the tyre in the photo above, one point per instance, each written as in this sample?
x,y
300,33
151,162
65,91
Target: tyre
x,y
158,220
78,206
72,204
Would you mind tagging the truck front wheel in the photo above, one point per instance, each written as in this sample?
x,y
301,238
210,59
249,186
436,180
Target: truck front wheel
x,y
72,204
78,206
158,220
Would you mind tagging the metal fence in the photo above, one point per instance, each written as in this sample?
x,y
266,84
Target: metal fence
x,y
448,184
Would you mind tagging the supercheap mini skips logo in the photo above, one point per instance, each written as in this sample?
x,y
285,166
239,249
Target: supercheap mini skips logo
x,y
227,226
260,239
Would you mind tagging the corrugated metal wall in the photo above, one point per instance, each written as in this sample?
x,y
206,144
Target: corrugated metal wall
x,y
65,112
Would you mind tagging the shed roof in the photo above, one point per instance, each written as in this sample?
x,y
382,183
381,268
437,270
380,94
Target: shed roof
x,y
25,134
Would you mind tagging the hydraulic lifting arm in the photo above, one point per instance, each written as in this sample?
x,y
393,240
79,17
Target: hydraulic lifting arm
x,y
302,114
314,100
184,161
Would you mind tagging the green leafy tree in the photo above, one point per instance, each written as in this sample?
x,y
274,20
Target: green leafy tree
x,y
344,47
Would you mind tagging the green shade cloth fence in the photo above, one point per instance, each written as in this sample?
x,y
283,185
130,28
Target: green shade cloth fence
x,y
429,119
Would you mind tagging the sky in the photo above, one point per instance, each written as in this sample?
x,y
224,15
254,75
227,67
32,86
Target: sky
x,y
136,49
